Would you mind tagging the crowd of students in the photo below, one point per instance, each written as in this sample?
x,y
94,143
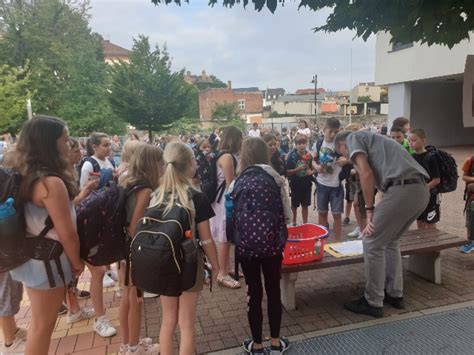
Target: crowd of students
x,y
56,177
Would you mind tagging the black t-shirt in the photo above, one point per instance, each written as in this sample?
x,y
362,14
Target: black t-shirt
x,y
429,163
202,206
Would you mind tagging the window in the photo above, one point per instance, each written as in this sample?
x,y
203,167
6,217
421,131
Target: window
x,y
398,46
242,105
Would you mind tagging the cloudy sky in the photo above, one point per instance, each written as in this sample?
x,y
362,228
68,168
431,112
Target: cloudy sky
x,y
247,47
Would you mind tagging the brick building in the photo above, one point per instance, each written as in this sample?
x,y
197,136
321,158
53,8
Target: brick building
x,y
249,103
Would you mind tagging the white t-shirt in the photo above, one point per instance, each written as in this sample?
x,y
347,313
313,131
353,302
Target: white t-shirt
x,y
87,168
254,133
304,131
327,157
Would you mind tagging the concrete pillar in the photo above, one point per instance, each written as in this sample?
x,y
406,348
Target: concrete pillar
x,y
399,101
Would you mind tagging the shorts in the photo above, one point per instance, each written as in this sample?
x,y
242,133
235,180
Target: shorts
x,y
33,274
333,196
11,294
431,214
300,196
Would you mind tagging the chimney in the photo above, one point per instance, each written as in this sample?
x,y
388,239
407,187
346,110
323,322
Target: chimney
x,y
229,84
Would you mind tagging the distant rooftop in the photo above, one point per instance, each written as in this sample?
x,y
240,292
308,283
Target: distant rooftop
x,y
309,91
113,50
250,89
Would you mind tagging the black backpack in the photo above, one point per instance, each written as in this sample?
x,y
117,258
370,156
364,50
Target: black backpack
x,y
15,247
209,186
102,222
164,251
448,169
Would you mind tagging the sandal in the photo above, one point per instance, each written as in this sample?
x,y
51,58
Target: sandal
x,y
229,282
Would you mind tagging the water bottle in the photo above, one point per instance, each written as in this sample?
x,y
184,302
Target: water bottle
x,y
229,205
317,247
10,226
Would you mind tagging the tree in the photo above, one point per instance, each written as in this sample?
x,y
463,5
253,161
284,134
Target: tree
x,y
445,22
146,93
65,61
14,94
226,111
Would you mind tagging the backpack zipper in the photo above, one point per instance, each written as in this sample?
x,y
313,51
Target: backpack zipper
x,y
167,237
145,219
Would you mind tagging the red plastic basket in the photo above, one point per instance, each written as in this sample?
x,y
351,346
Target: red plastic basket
x,y
305,244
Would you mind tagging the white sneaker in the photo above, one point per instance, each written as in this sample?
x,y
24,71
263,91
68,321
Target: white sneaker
x,y
355,233
18,346
145,346
119,292
112,274
103,327
84,313
108,281
149,295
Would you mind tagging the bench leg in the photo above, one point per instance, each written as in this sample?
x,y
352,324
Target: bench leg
x,y
287,286
428,266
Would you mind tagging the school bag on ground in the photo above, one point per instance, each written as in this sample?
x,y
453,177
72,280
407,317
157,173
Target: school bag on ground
x,y
256,225
101,224
164,251
448,169
15,247
209,186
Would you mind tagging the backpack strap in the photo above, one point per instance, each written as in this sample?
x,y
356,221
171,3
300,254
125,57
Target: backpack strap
x,y
95,164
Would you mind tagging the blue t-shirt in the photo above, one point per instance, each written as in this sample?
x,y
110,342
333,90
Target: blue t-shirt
x,y
294,161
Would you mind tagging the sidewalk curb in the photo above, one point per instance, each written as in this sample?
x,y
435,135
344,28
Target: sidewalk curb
x,y
365,324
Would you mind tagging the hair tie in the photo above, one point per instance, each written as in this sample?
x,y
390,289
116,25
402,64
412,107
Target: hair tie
x,y
170,162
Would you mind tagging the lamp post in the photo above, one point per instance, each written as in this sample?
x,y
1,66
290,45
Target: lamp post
x,y
315,82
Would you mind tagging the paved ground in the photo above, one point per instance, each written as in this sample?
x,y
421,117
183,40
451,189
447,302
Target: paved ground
x,y
222,321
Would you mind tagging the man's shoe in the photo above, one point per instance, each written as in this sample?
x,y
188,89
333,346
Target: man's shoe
x,y
467,248
361,306
355,233
346,221
395,302
108,281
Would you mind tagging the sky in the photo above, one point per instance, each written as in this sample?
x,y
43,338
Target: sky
x,y
247,47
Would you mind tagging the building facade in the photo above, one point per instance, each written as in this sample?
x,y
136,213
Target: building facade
x,y
366,90
430,85
249,103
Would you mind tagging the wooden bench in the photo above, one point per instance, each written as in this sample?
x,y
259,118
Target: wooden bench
x,y
424,248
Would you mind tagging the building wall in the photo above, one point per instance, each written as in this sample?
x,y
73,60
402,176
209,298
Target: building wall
x,y
362,90
437,108
417,62
294,107
208,99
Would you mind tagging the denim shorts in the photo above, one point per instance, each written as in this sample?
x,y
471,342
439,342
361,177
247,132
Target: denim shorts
x,y
33,274
333,196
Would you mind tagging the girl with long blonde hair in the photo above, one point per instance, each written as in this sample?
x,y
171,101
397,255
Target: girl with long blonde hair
x,y
144,169
176,186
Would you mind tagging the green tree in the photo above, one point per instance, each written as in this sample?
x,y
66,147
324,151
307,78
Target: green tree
x,y
65,61
444,22
147,93
226,111
14,94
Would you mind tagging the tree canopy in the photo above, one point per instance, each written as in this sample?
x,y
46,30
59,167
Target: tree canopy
x,y
445,22
52,40
147,93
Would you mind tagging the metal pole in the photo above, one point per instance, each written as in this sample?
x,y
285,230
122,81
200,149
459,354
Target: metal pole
x,y
315,79
350,93
29,109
